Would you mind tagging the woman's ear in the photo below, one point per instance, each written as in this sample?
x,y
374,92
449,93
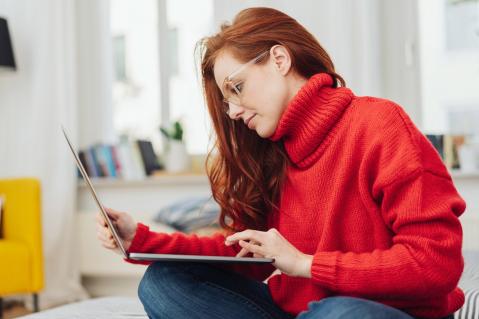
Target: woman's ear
x,y
281,59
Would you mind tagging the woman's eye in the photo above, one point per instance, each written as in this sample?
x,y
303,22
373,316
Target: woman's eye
x,y
238,87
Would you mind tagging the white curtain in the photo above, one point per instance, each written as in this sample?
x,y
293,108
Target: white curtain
x,y
34,101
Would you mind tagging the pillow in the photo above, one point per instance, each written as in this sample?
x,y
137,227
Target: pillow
x,y
470,276
190,214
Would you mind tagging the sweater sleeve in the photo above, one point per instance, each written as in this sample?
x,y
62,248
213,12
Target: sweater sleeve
x,y
425,257
146,241
420,206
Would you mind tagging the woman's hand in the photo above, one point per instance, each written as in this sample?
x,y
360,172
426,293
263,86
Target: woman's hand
x,y
125,227
271,244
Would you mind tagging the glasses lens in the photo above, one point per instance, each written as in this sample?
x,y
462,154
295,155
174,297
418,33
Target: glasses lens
x,y
232,94
226,106
233,86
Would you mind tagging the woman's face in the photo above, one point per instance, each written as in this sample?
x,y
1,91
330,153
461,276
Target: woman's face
x,y
257,93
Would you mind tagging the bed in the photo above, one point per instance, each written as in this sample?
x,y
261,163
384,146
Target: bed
x,y
98,308
131,308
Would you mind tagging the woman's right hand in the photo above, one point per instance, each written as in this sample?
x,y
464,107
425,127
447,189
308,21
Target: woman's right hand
x,y
124,225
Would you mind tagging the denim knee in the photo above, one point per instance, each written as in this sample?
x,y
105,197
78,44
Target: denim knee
x,y
148,287
340,307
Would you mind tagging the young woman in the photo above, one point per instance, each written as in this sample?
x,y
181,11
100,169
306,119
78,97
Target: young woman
x,y
344,192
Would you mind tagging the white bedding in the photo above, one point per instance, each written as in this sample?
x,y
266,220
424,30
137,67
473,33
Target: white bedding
x,y
98,308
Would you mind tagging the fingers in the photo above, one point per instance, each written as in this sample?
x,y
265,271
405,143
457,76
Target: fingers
x,y
105,236
104,230
247,235
100,220
107,242
251,247
244,251
113,214
110,245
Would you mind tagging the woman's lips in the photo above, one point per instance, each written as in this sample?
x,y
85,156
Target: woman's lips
x,y
248,121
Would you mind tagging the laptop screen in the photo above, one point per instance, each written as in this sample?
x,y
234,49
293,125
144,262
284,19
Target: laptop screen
x,y
95,197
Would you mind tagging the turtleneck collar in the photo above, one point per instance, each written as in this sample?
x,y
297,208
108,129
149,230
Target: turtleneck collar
x,y
310,116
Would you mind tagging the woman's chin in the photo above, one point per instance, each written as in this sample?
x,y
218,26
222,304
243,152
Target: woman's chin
x,y
264,132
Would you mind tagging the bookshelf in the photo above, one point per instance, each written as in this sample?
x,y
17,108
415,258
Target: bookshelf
x,y
156,180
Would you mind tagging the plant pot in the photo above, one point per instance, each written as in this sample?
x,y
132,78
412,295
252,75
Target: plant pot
x,y
176,157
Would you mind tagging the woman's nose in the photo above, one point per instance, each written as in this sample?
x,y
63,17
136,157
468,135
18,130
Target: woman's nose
x,y
235,111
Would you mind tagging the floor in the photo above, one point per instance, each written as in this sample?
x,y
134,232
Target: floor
x,y
15,311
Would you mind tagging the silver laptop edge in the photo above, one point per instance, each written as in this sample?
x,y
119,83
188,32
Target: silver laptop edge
x,y
92,190
199,258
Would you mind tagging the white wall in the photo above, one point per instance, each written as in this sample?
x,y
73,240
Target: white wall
x,y
94,72
448,79
34,100
400,63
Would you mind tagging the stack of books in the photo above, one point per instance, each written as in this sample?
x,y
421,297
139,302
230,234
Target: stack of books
x,y
448,148
127,160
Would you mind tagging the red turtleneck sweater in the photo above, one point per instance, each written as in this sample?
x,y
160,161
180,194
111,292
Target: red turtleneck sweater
x,y
367,195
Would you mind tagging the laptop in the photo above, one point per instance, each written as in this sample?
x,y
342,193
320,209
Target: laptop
x,y
154,257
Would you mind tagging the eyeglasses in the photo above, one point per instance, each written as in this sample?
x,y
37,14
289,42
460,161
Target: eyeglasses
x,y
232,88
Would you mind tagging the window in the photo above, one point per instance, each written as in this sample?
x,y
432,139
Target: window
x,y
139,39
186,97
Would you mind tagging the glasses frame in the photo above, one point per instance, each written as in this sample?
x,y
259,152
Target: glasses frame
x,y
229,80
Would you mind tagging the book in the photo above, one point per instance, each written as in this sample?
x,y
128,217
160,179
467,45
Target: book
x,y
130,159
447,146
83,160
110,165
438,142
127,159
116,160
148,156
92,170
137,160
99,172
452,143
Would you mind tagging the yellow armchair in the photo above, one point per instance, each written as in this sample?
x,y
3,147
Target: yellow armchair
x,y
21,257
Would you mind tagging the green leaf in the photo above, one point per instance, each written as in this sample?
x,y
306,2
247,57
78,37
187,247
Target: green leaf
x,y
165,132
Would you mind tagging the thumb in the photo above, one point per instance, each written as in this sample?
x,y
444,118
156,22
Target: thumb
x,y
113,214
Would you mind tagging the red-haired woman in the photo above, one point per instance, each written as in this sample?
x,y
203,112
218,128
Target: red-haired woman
x,y
344,192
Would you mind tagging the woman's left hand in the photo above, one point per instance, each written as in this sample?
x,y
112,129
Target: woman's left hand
x,y
271,244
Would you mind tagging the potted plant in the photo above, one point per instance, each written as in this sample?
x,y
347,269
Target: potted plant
x,y
176,157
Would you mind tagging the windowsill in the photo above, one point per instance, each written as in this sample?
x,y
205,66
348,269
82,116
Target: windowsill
x,y
165,178
463,175
154,180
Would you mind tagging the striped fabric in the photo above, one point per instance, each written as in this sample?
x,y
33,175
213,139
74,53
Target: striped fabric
x,y
470,310
470,284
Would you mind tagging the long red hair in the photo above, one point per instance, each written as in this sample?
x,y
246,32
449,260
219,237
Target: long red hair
x,y
246,172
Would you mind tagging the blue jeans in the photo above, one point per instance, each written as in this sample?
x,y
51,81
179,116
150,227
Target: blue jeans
x,y
197,290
